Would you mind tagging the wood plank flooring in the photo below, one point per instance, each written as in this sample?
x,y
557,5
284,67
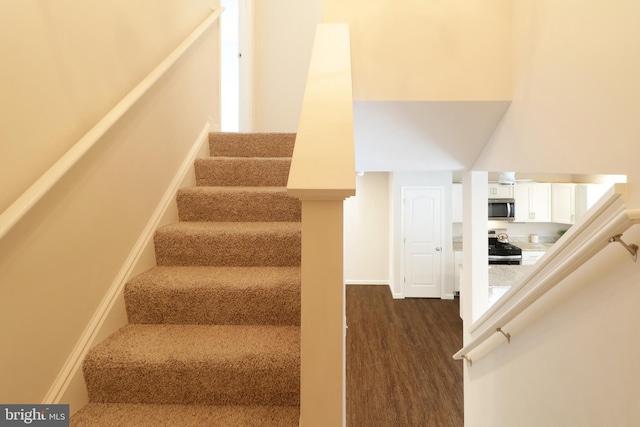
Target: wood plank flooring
x,y
399,366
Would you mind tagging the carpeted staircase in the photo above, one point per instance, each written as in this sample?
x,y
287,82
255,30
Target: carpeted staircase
x,y
213,337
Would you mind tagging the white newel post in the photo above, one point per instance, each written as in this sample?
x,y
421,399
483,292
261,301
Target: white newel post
x,y
323,334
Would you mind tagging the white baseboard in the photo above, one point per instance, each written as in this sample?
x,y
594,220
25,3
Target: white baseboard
x,y
70,382
366,282
401,296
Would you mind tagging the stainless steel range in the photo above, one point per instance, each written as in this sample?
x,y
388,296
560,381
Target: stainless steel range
x,y
502,252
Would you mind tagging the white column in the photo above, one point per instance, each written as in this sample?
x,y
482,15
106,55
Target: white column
x,y
474,288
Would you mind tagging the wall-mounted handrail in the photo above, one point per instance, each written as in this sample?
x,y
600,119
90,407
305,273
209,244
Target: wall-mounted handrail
x,y
584,240
25,202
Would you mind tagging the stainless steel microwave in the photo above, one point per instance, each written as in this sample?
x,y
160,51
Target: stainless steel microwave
x,y
502,209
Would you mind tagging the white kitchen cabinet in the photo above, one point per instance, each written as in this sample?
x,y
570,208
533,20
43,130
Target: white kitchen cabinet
x,y
531,257
563,205
500,191
457,268
456,203
533,202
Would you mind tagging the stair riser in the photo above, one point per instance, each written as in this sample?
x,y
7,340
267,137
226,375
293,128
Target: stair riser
x,y
251,145
242,172
225,207
203,383
230,306
234,250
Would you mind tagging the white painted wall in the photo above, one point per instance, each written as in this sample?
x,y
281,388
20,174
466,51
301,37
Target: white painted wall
x,y
366,231
456,50
428,136
283,38
66,64
575,111
576,90
58,263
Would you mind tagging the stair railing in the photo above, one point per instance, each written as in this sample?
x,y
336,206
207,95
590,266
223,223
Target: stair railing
x,y
322,175
604,224
25,202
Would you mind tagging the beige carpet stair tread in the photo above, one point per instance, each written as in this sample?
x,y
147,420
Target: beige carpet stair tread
x,y
215,295
231,144
240,171
233,204
233,244
196,364
150,415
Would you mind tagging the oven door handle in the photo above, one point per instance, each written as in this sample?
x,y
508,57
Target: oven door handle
x,y
504,257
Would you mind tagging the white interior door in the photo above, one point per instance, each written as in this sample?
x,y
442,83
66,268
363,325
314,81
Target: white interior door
x,y
245,65
229,71
236,66
422,237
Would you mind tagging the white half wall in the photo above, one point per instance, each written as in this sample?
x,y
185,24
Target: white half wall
x,y
576,365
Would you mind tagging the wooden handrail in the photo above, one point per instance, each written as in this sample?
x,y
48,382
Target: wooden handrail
x,y
25,202
606,219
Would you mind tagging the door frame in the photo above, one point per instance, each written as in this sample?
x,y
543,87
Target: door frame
x,y
443,257
236,67
245,65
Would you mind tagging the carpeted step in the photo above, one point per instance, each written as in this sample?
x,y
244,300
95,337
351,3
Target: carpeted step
x,y
232,144
215,295
213,337
150,415
240,171
196,364
230,204
233,244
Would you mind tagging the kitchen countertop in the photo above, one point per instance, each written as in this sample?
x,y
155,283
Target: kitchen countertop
x,y
507,275
526,246
502,277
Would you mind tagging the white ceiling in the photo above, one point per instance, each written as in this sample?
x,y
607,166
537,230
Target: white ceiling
x,y
423,136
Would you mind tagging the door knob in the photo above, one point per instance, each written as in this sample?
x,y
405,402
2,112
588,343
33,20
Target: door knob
x,y
438,249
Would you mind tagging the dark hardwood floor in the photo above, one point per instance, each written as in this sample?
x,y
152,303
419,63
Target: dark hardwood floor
x,y
399,366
